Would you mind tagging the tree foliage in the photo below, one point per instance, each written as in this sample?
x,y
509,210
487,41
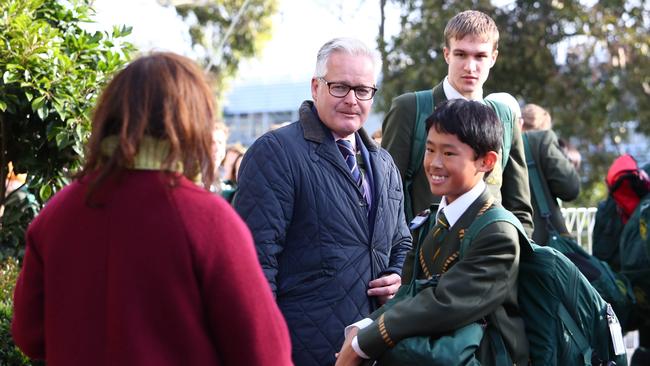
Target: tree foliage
x,y
588,64
228,31
51,73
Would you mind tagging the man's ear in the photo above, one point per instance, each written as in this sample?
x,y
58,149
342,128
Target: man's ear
x,y
314,88
487,162
445,53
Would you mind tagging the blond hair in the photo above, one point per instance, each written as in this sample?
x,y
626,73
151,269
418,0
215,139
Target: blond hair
x,y
472,23
535,118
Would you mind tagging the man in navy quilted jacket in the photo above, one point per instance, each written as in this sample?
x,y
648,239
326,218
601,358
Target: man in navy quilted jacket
x,y
325,206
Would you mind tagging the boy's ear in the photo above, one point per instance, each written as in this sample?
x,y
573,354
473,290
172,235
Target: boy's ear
x,y
488,161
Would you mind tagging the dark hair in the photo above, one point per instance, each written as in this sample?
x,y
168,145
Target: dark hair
x,y
164,96
474,123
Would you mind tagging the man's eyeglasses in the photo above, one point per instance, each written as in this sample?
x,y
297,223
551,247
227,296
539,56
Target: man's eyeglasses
x,y
340,90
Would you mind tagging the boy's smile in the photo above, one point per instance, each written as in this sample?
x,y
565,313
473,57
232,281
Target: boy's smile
x,y
450,165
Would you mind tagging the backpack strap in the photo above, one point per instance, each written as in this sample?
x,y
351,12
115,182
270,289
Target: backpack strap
x,y
535,179
508,121
424,108
576,333
489,217
492,215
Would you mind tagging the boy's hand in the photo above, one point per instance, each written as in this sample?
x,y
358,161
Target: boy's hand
x,y
346,355
385,287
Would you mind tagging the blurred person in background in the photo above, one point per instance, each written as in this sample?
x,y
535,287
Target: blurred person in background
x,y
559,177
135,262
230,167
220,137
571,153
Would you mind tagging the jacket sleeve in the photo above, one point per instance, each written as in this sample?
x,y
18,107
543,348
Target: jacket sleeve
x,y
515,190
265,200
397,131
561,176
401,240
472,289
28,325
242,314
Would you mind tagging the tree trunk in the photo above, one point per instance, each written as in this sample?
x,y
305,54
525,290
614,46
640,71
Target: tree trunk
x,y
381,40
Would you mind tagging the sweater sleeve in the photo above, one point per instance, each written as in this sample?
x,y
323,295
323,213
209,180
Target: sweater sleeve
x,y
471,289
28,325
402,241
247,325
265,200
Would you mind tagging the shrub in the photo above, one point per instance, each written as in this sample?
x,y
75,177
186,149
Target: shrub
x,y
51,72
9,354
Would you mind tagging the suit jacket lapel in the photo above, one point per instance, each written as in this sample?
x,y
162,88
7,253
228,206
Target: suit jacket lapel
x,y
439,94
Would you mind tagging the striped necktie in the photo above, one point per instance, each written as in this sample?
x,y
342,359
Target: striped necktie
x,y
349,155
442,220
441,224
350,159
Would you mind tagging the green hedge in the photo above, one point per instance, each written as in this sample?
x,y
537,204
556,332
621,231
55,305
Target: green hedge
x,y
9,353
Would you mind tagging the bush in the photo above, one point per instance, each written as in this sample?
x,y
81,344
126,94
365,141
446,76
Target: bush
x,y
51,72
9,353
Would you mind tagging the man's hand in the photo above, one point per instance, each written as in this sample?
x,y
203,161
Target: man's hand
x,y
385,287
346,355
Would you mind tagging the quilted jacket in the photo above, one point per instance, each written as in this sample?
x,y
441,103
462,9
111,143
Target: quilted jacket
x,y
317,241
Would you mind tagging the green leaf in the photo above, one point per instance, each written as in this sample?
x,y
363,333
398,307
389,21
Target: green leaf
x,y
43,112
45,192
8,77
38,103
3,105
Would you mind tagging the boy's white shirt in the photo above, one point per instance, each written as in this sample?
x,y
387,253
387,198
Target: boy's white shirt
x,y
456,209
452,93
453,212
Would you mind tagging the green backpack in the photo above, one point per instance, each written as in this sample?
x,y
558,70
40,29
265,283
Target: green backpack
x,y
634,257
566,319
615,288
608,227
424,107
626,247
608,230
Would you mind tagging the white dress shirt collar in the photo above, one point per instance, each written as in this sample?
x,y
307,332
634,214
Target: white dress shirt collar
x,y
351,139
456,209
452,93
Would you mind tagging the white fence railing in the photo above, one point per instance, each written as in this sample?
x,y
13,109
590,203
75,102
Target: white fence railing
x,y
580,222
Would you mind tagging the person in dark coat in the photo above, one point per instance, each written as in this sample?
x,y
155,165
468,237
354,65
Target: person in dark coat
x,y
558,175
325,206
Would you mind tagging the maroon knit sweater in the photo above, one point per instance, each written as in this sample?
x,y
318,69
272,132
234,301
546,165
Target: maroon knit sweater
x,y
154,274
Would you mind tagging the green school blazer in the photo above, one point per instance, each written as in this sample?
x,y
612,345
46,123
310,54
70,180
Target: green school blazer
x,y
509,186
481,285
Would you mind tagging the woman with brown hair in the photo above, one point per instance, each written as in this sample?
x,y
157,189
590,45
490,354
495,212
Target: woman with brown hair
x,y
134,263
